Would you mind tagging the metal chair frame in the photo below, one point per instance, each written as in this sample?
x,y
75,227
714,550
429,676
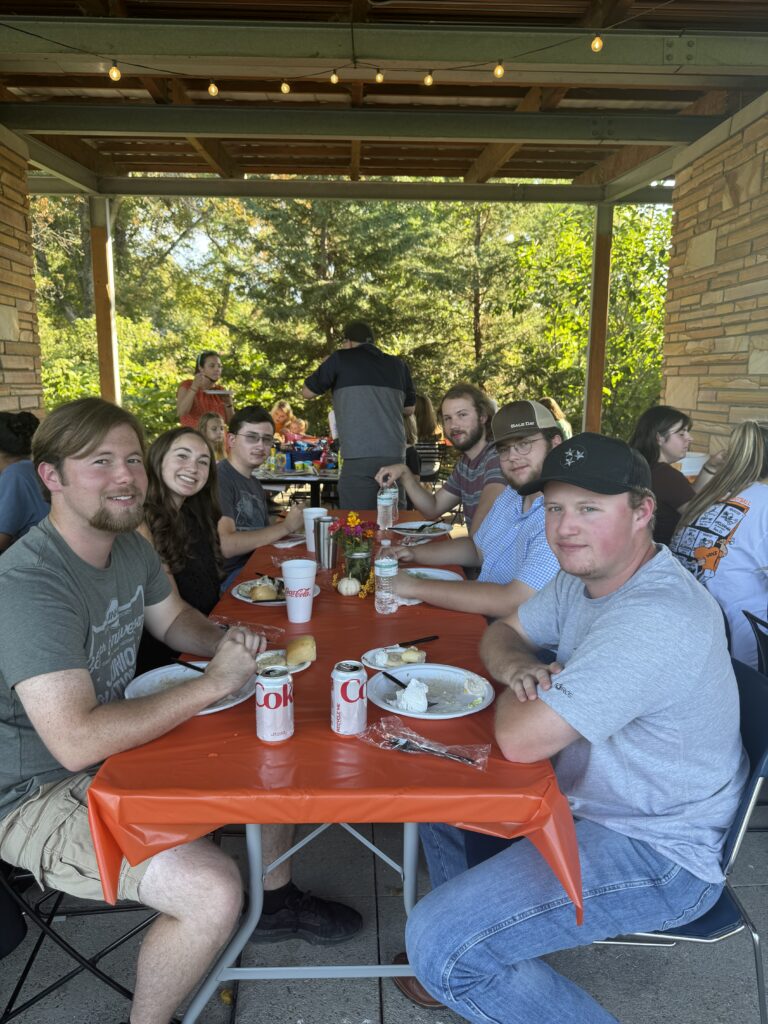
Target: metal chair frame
x,y
760,629
44,911
753,689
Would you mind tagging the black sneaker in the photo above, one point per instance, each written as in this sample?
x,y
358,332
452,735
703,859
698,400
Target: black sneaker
x,y
304,916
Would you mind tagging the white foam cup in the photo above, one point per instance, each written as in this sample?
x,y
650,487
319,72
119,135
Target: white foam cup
x,y
310,514
299,578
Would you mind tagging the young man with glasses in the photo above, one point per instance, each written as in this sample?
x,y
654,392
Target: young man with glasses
x,y
509,544
244,524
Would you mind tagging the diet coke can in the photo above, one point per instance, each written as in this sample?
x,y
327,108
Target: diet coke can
x,y
274,704
349,700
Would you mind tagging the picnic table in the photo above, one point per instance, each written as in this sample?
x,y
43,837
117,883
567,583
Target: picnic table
x,y
213,771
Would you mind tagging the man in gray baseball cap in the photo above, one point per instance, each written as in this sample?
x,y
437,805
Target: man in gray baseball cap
x,y
639,713
509,545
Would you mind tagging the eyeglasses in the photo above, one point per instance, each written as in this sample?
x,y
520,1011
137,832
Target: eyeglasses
x,y
265,439
518,447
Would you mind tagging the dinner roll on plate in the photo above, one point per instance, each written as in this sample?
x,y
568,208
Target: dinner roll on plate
x,y
300,648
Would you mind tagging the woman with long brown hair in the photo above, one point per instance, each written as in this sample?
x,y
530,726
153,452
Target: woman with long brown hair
x,y
181,512
663,435
722,537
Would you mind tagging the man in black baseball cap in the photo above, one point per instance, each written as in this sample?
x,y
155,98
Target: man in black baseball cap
x,y
639,713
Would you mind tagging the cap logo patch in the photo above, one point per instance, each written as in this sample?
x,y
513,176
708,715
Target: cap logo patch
x,y
572,455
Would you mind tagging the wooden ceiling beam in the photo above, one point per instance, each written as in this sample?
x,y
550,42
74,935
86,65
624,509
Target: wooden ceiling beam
x,y
211,150
83,153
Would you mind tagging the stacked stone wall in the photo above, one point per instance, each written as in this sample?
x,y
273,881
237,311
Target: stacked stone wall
x,y
716,331
20,386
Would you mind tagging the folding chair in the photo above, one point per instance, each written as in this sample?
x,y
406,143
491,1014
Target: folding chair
x,y
21,902
728,916
760,629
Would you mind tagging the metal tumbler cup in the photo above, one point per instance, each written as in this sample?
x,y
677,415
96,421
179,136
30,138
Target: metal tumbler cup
x,y
326,543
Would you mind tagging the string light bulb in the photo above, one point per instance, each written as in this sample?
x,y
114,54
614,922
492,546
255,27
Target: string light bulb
x,y
114,72
284,87
597,44
379,75
334,77
213,89
498,71
428,79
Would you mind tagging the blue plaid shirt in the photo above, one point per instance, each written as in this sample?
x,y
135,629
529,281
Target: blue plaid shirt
x,y
513,544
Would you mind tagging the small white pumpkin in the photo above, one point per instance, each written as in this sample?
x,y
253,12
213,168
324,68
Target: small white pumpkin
x,y
348,586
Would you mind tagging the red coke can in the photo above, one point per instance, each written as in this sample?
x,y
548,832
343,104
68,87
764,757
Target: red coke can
x,y
274,704
349,698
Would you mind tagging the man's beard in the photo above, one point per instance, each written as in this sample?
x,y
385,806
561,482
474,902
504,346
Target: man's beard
x,y
476,435
105,520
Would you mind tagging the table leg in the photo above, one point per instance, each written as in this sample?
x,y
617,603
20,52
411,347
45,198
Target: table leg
x,y
314,493
410,864
236,944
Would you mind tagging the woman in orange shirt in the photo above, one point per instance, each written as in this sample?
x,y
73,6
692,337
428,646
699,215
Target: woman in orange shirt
x,y
202,393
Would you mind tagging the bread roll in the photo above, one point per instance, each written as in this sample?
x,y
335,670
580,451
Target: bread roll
x,y
300,648
263,589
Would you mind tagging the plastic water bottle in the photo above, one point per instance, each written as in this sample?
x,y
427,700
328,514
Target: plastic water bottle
x,y
386,506
384,572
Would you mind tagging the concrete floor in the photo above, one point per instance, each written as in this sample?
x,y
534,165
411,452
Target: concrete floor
x,y
689,984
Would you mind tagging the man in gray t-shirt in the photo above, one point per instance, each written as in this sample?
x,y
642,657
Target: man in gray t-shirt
x,y
639,713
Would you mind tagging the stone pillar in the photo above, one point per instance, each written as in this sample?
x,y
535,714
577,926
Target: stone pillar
x,y
716,330
20,383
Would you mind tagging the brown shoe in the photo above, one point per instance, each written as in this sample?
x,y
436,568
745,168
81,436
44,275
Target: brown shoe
x,y
413,989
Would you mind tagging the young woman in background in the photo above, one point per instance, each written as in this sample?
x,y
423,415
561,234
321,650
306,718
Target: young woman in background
x,y
722,537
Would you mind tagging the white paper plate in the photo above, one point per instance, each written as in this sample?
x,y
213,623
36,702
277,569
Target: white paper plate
x,y
262,604
299,667
368,659
446,687
168,676
411,529
428,572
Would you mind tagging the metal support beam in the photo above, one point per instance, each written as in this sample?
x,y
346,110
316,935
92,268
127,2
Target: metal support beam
x,y
62,166
598,317
344,190
553,127
174,45
104,298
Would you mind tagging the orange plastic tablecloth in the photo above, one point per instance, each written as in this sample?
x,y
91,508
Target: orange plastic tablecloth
x,y
212,770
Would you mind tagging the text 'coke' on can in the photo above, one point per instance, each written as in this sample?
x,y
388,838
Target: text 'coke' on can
x,y
274,704
349,698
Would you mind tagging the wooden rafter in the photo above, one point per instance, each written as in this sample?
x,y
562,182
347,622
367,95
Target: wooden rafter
x,y
496,155
211,150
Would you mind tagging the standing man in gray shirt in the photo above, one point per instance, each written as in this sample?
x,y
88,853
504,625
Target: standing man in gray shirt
x,y
639,712
371,393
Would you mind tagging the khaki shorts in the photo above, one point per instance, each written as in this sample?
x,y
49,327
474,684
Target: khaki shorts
x,y
49,836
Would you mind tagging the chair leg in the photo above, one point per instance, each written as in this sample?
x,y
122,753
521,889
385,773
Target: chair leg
x,y
758,957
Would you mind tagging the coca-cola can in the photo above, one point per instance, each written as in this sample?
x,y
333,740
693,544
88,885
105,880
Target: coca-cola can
x,y
349,698
274,704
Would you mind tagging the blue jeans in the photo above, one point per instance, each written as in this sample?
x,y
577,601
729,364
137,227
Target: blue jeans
x,y
475,940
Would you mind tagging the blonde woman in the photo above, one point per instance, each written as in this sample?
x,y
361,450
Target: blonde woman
x,y
213,428
281,414
722,537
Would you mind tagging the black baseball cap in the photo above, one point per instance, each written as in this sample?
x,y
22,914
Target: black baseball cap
x,y
601,464
358,330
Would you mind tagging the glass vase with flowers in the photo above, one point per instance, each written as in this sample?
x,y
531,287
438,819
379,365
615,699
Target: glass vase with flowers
x,y
356,540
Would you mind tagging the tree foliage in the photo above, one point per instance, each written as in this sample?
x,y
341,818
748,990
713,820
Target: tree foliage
x,y
492,293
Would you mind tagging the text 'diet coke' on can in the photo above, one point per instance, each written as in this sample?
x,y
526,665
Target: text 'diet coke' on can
x,y
349,698
274,704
